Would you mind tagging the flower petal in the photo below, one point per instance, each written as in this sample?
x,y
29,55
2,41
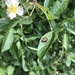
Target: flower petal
x,y
11,15
8,2
12,2
20,10
15,2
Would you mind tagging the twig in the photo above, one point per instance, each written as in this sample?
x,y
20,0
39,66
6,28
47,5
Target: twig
x,y
59,41
56,62
32,10
50,25
21,26
35,2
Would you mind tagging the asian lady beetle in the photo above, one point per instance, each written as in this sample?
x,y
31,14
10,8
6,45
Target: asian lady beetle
x,y
45,39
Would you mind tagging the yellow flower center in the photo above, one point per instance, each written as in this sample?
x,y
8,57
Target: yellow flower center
x,y
13,8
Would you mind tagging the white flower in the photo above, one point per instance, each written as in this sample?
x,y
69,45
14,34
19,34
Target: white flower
x,y
13,8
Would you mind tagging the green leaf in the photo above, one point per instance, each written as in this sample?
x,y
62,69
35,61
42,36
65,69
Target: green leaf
x,y
59,6
17,63
13,51
31,37
44,46
40,65
71,29
4,21
24,64
71,19
65,41
32,73
46,2
46,12
25,21
2,71
71,56
68,62
6,26
20,50
19,31
13,23
10,70
1,37
7,40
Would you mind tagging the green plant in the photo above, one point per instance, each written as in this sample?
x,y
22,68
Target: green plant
x,y
40,41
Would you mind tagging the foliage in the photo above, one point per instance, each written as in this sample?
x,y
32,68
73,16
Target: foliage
x,y
41,42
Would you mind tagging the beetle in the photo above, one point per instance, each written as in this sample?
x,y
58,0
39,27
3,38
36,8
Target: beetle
x,y
44,39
